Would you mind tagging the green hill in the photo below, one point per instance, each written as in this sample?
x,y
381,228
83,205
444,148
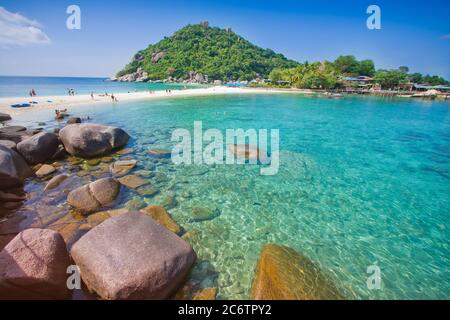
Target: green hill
x,y
199,50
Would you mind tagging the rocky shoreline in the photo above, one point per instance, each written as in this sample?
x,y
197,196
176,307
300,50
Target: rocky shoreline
x,y
191,78
87,166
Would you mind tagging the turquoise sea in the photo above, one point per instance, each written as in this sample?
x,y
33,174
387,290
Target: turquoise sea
x,y
363,181
45,86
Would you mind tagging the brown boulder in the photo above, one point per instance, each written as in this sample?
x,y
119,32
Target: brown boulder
x,y
131,256
33,266
91,197
284,274
4,117
9,144
90,140
13,169
38,148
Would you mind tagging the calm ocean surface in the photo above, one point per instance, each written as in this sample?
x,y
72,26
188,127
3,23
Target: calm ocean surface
x,y
363,181
45,86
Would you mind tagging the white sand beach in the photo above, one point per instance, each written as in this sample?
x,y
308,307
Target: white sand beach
x,y
79,101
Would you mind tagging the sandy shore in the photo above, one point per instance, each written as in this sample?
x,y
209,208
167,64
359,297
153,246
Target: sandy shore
x,y
70,102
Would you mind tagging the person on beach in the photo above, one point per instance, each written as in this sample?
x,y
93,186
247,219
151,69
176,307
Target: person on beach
x,y
60,114
33,93
92,95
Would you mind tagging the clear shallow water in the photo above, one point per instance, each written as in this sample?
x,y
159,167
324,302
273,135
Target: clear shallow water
x,y
362,181
46,86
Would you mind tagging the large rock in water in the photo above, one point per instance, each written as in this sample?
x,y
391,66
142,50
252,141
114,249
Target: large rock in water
x,y
13,169
91,197
33,266
284,274
131,256
39,148
4,117
89,140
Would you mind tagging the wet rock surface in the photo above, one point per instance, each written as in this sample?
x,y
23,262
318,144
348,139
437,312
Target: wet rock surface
x,y
33,266
90,140
113,266
91,197
38,148
13,169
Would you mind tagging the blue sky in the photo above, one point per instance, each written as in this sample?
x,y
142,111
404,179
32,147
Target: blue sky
x,y
34,39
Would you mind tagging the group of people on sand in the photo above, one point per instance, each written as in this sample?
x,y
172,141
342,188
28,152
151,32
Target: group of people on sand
x,y
71,92
168,91
32,93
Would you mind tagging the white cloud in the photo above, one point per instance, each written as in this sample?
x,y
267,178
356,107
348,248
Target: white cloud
x,y
446,37
15,29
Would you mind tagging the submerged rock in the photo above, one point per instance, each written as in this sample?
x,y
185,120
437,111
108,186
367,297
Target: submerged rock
x,y
132,181
162,216
203,214
284,274
160,153
122,167
91,197
99,217
170,201
93,162
33,266
45,170
247,152
73,120
147,191
55,182
135,204
39,148
146,262
90,140
124,152
67,227
192,291
13,169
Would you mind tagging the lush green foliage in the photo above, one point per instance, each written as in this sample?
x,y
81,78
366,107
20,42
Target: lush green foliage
x,y
220,54
349,66
328,75
314,76
389,79
223,55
